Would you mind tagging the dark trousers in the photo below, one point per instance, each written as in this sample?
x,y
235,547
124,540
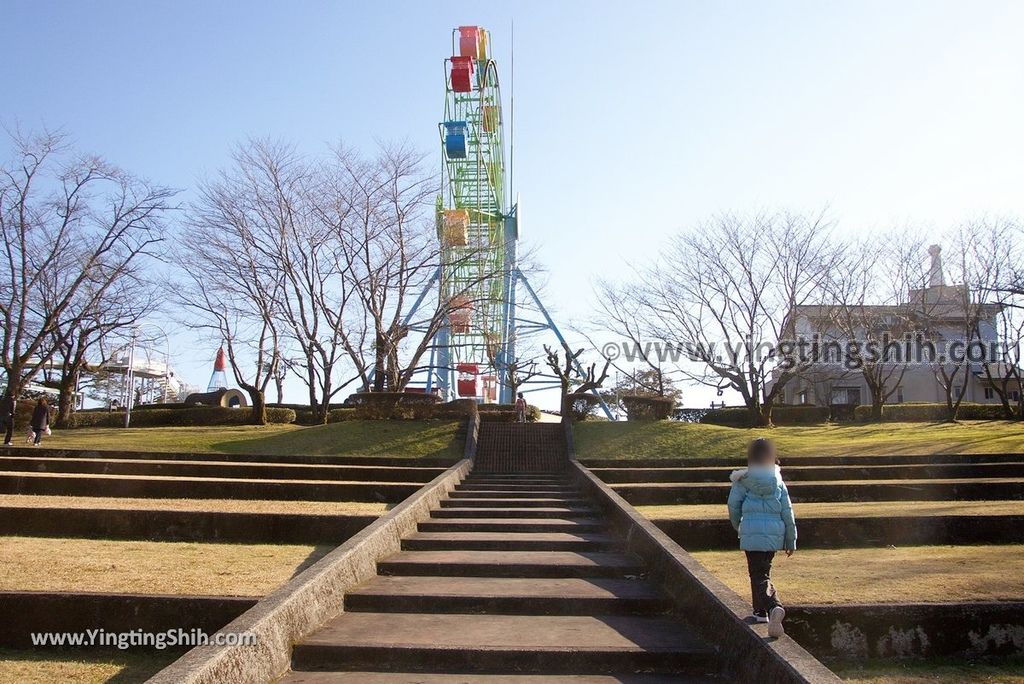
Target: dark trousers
x,y
38,434
7,425
759,566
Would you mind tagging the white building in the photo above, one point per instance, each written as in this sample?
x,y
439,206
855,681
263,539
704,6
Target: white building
x,y
935,314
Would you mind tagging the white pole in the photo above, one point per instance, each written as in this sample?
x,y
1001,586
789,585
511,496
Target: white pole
x,y
130,381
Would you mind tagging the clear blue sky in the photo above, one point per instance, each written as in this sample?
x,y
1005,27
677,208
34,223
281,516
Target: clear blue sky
x,y
633,120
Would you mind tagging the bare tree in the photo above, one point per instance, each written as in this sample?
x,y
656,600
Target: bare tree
x,y
573,377
619,315
386,230
967,313
82,341
727,293
868,307
74,227
231,283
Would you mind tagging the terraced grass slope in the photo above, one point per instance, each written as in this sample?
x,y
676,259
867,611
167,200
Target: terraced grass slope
x,y
674,440
400,438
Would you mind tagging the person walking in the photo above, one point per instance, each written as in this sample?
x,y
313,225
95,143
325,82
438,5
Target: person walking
x,y
40,420
520,408
7,409
761,512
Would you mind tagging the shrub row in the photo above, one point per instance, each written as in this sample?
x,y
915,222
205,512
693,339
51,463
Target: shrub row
x,y
912,413
646,407
781,415
196,416
506,413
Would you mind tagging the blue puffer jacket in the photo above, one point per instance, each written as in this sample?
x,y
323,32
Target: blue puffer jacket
x,y
760,510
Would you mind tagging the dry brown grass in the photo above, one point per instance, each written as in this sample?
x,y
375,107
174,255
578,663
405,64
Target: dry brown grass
x,y
143,567
846,510
914,574
931,671
33,667
212,505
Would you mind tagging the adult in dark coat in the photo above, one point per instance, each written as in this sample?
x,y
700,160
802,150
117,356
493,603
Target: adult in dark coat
x,y
7,407
40,420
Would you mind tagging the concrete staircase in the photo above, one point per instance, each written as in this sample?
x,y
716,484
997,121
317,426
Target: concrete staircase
x,y
514,579
520,448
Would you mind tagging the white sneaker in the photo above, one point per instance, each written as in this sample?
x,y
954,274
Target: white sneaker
x,y
775,618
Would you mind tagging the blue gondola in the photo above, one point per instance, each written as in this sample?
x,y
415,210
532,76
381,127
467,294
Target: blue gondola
x,y
455,139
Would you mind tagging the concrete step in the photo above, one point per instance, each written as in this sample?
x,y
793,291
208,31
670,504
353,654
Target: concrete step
x,y
510,541
511,564
548,645
512,524
507,596
428,678
977,489
501,494
515,479
515,486
513,502
161,487
202,468
818,473
541,512
565,484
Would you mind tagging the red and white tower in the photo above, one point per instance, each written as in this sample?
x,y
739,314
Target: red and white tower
x,y
219,379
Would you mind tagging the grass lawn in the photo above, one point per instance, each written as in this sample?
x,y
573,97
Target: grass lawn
x,y
671,439
919,574
931,671
409,438
868,509
206,505
81,667
145,567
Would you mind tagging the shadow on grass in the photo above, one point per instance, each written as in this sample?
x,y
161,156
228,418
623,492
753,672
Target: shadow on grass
x,y
135,666
315,555
396,438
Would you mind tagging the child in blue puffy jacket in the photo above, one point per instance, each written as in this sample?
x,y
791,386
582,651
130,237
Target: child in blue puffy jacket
x,y
760,510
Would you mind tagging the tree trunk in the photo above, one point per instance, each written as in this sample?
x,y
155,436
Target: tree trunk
x,y
951,408
760,412
876,408
65,403
259,406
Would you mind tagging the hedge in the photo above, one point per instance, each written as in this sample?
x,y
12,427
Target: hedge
x,y
646,407
927,413
196,416
781,415
506,413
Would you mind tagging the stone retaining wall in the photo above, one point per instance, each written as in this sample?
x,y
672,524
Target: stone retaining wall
x,y
866,532
171,525
900,630
26,612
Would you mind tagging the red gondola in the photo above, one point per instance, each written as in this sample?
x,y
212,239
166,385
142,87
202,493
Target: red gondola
x,y
469,379
462,74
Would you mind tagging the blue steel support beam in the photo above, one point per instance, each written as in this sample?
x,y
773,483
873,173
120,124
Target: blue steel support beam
x,y
558,334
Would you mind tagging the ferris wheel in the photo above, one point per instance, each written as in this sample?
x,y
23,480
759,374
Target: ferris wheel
x,y
474,354
476,230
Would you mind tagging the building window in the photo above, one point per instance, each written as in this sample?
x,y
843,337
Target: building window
x,y
1015,395
989,393
801,398
957,389
899,395
846,396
